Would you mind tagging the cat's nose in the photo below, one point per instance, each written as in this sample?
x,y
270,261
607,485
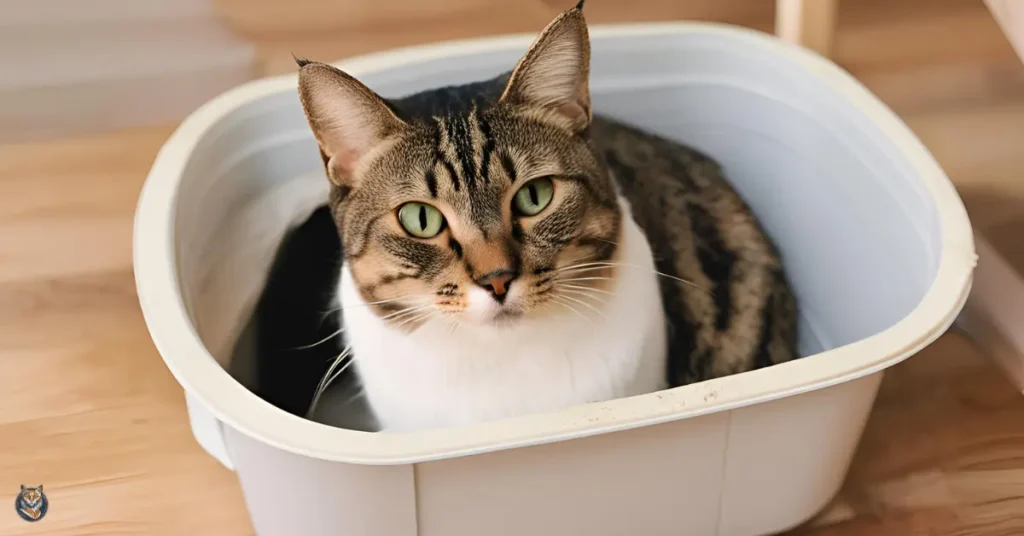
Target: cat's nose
x,y
498,282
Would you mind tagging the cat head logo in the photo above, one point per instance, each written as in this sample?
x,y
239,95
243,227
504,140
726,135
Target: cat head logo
x,y
31,504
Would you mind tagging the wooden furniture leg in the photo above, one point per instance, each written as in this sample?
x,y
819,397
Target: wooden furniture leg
x,y
809,23
994,314
1010,16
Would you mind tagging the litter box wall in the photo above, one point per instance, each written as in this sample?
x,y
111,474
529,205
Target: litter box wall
x,y
877,243
755,470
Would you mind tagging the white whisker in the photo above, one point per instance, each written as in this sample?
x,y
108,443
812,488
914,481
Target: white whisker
x,y
601,265
597,299
583,303
596,265
403,312
346,307
558,299
452,324
590,292
560,280
359,392
380,302
334,364
414,318
321,341
588,289
338,372
331,374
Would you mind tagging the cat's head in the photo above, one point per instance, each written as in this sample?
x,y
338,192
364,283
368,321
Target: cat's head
x,y
32,496
470,211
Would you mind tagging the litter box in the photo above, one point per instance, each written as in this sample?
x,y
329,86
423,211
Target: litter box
x,y
875,238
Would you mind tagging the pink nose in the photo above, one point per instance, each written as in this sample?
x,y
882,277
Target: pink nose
x,y
497,282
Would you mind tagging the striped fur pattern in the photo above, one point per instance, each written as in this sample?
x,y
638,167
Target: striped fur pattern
x,y
702,231
721,294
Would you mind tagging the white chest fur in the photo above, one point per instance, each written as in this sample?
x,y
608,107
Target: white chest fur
x,y
433,378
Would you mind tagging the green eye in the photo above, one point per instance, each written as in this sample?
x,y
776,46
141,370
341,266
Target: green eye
x,y
421,221
534,196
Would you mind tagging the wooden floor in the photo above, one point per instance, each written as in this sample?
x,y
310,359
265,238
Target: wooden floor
x,y
90,411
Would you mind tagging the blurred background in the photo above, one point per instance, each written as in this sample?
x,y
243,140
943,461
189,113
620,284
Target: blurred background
x,y
72,67
90,89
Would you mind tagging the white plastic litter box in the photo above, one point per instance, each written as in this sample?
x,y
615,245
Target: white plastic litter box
x,y
876,240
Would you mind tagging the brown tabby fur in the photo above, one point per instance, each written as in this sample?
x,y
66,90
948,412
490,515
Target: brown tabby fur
x,y
468,149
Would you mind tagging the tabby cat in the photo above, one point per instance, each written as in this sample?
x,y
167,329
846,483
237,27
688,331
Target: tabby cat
x,y
507,252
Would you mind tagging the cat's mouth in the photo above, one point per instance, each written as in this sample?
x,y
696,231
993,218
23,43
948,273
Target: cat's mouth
x,y
505,316
498,315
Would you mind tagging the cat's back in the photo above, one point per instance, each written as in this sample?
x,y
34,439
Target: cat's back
x,y
737,312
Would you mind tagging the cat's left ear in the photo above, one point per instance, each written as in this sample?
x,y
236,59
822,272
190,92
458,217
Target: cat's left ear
x,y
555,72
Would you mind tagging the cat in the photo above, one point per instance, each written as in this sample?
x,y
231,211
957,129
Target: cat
x,y
506,251
31,503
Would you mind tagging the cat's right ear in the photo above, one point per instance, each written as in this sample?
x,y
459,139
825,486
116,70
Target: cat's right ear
x,y
348,119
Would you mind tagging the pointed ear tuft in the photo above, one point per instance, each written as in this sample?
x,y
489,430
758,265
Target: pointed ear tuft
x,y
300,61
348,119
555,73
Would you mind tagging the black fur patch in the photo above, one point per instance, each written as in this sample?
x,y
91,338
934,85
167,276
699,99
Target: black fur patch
x,y
431,180
763,358
517,231
293,313
488,150
453,176
456,247
509,166
459,137
716,260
